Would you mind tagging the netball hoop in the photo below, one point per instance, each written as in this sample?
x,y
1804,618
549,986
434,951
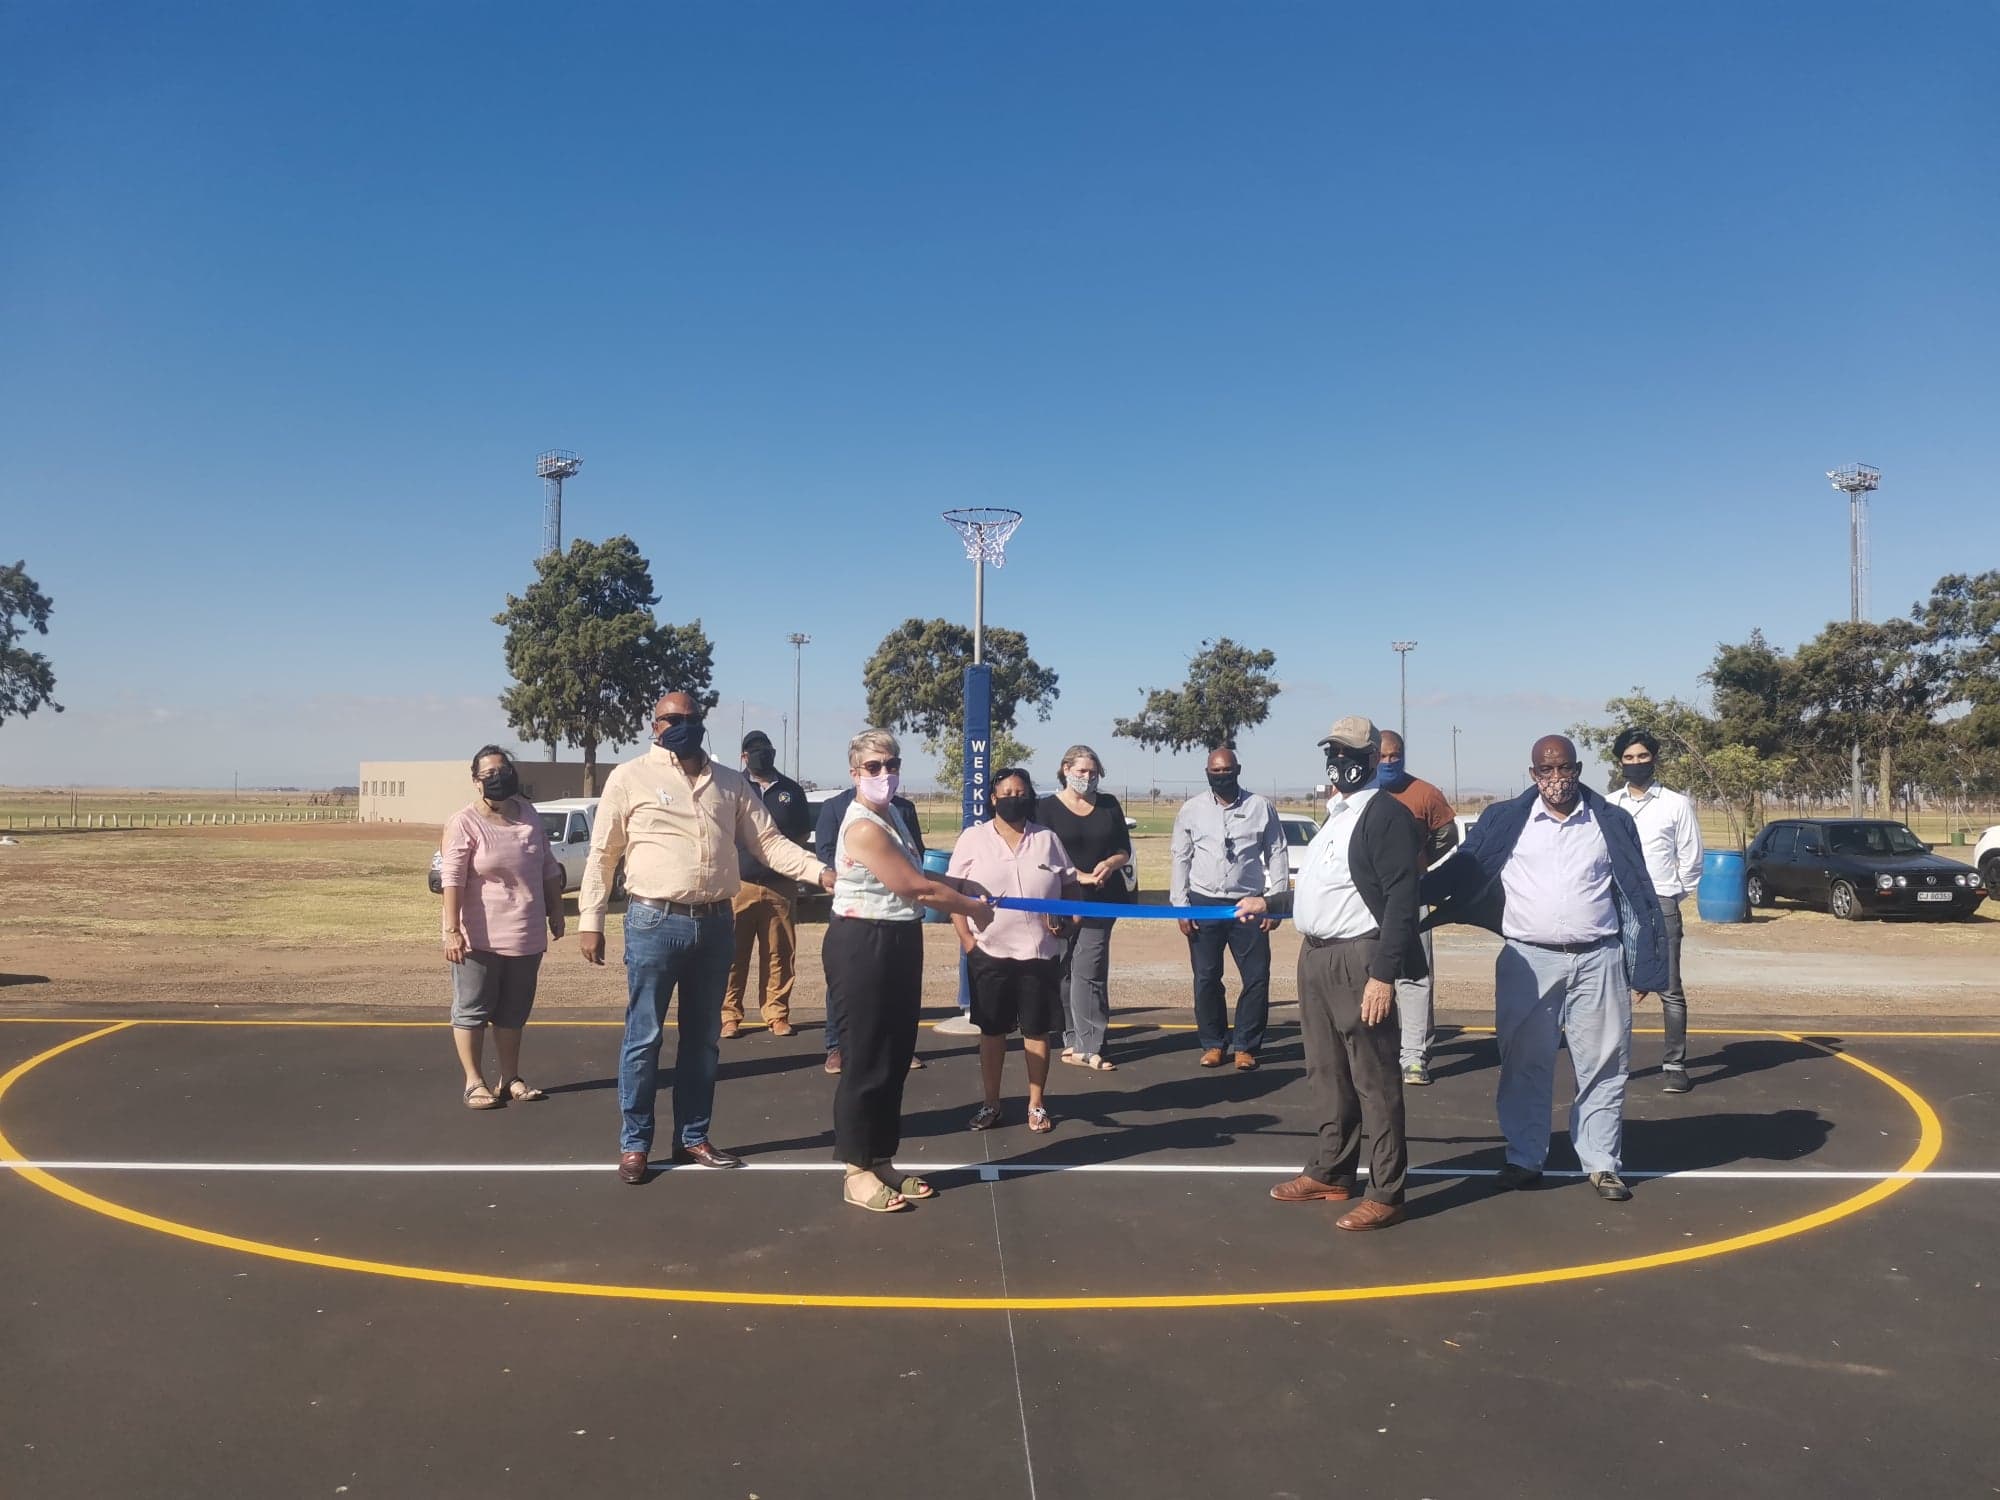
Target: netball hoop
x,y
985,533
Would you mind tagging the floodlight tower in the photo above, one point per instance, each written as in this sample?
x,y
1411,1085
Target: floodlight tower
x,y
1403,650
1856,481
554,466
799,641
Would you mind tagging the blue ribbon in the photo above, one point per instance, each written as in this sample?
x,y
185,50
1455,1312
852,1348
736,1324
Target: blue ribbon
x,y
1115,909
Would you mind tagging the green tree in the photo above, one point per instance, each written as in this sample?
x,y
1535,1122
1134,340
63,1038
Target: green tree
x,y
1695,756
27,681
589,658
915,683
1961,623
1875,682
1228,688
1007,751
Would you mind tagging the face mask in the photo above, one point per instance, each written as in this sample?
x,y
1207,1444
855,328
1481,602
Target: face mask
x,y
1390,771
1640,774
878,789
683,738
1012,809
498,786
1349,770
1083,786
1224,783
1558,791
761,762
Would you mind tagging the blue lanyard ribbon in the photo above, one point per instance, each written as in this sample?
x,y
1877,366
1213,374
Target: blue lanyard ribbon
x,y
1115,909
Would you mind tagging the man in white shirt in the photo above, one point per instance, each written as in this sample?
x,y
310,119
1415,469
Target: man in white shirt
x,y
1356,909
1670,835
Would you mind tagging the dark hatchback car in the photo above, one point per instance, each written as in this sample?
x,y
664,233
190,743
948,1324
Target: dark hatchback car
x,y
1858,867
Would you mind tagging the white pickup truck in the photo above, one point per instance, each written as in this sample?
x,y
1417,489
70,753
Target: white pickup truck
x,y
1986,860
568,822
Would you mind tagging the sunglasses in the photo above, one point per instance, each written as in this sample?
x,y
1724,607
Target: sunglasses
x,y
877,767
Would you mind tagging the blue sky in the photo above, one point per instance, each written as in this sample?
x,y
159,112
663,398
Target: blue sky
x,y
1524,332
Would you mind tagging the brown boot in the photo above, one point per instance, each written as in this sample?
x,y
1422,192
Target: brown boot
x,y
1305,1189
1212,1058
1368,1214
782,1027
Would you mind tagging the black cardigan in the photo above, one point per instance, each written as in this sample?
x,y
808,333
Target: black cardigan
x,y
1386,860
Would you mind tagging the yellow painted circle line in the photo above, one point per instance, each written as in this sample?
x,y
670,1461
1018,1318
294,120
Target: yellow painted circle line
x,y
1930,1142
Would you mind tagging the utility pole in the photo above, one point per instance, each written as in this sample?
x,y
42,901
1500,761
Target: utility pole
x,y
799,643
1856,481
1454,767
1403,650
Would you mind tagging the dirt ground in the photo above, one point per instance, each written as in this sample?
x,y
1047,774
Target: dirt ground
x,y
329,917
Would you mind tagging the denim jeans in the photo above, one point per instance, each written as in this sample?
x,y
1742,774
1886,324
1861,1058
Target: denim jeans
x,y
1673,1000
662,951
1250,945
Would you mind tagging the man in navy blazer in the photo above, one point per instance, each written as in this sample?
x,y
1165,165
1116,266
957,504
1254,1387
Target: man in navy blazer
x,y
1559,873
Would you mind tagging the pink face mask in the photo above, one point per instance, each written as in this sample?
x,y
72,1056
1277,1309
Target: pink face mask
x,y
881,788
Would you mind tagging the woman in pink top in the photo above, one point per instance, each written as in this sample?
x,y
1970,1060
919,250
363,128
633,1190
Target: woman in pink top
x,y
502,886
1015,965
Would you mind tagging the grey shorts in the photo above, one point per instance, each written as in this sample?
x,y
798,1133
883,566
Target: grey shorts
x,y
493,988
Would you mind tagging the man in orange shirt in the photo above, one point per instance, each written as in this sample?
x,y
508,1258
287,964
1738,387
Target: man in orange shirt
x,y
1427,805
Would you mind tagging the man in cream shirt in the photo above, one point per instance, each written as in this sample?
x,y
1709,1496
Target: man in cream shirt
x,y
675,817
1670,835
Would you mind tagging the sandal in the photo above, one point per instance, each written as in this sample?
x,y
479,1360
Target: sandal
x,y
884,1200
908,1184
1039,1121
1097,1062
520,1090
1074,1059
984,1118
491,1101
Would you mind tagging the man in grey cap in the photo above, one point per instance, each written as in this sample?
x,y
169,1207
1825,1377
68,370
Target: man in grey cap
x,y
1355,906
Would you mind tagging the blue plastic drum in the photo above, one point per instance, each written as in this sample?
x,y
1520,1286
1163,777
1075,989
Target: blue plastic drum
x,y
936,862
1721,896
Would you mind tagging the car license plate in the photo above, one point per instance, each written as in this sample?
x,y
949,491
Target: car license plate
x,y
1933,895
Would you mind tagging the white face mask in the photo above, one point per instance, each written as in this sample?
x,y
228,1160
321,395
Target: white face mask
x,y
881,788
1083,786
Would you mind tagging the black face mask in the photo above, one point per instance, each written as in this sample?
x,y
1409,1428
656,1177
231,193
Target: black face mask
x,y
498,786
683,739
1013,810
1349,770
761,762
1225,783
1639,775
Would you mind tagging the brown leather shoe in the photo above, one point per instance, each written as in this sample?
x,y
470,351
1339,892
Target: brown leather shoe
x,y
1246,1062
702,1154
632,1166
1305,1189
833,1061
1212,1058
782,1028
1368,1214
730,1029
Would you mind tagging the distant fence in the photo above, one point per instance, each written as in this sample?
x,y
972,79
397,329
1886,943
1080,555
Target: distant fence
x,y
212,819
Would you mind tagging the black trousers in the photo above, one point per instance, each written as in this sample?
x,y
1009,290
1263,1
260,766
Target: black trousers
x,y
1355,1070
875,975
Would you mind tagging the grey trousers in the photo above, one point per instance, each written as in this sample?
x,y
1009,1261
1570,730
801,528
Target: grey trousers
x,y
1357,1084
1413,1004
1673,1000
1086,963
1540,994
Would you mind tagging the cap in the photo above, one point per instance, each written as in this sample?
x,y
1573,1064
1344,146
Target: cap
x,y
1354,733
756,738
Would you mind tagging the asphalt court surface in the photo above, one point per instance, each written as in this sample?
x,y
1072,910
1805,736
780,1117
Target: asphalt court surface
x,y
1849,1355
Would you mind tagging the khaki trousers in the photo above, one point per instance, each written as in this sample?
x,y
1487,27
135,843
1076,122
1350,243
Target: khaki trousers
x,y
762,917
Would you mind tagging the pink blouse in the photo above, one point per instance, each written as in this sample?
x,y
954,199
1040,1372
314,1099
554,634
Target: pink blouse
x,y
501,871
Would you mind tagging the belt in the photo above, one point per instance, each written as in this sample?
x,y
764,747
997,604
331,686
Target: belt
x,y
1320,942
1588,947
681,908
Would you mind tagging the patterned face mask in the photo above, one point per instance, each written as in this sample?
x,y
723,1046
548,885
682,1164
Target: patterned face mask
x,y
1083,786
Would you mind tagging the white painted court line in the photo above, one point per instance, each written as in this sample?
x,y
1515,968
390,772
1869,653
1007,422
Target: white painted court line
x,y
987,1171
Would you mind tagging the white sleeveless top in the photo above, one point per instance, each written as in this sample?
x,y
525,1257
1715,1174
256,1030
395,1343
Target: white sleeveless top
x,y
856,891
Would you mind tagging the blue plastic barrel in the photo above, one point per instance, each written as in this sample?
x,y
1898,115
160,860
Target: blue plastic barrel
x,y
936,862
1721,896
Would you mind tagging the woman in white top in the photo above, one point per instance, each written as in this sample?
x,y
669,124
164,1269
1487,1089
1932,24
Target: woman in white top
x,y
874,959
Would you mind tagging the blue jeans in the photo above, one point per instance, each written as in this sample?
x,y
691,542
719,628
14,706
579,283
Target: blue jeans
x,y
662,951
1250,945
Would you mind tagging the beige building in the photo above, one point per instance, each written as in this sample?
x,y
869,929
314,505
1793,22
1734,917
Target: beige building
x,y
430,791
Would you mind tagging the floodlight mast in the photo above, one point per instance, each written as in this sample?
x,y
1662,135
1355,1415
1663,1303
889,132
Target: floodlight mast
x,y
1403,650
799,640
1856,481
554,466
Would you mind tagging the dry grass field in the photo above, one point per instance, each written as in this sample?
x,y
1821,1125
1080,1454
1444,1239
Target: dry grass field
x,y
326,916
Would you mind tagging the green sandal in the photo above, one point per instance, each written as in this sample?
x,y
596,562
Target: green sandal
x,y
908,1184
884,1200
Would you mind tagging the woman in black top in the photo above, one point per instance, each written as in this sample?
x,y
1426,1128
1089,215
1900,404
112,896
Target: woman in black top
x,y
1092,828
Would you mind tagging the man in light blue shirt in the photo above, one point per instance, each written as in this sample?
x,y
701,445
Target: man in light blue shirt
x,y
1228,844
